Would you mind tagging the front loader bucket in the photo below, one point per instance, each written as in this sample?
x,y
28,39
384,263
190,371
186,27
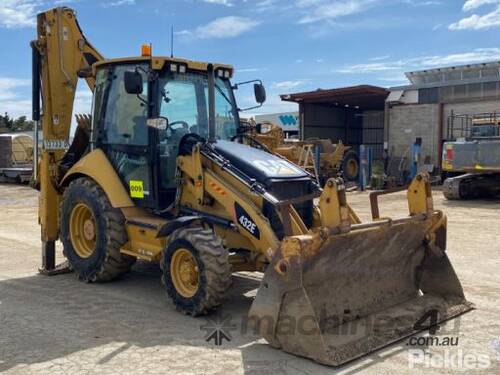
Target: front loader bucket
x,y
336,297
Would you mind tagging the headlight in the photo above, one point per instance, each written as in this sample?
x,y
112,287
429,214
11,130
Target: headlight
x,y
265,128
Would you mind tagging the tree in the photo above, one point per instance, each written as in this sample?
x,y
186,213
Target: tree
x,y
8,124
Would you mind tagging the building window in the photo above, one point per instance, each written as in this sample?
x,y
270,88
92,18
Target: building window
x,y
428,96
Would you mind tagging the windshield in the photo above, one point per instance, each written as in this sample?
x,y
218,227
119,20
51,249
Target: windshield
x,y
184,102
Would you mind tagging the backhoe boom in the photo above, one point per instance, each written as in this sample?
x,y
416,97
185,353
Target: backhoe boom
x,y
61,54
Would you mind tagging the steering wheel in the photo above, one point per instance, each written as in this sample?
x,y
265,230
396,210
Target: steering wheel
x,y
183,125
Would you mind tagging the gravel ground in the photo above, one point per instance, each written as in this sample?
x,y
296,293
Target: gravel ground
x,y
57,325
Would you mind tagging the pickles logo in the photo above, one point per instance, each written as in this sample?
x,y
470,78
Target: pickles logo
x,y
246,221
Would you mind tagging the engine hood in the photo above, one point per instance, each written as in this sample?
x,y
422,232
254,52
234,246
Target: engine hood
x,y
259,164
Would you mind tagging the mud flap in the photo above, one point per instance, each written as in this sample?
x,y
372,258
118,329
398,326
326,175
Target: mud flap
x,y
355,292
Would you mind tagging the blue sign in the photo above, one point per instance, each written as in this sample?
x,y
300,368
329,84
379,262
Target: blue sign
x,y
288,120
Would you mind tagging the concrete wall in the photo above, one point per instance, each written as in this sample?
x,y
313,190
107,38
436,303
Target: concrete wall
x,y
406,123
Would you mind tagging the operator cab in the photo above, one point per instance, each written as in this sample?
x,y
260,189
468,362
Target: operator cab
x,y
143,108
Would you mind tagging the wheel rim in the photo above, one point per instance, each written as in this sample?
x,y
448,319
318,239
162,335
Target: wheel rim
x,y
82,230
352,168
184,272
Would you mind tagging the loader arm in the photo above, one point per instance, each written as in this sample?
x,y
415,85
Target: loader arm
x,y
61,55
211,185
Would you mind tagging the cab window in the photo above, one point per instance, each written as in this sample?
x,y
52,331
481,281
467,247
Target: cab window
x,y
125,115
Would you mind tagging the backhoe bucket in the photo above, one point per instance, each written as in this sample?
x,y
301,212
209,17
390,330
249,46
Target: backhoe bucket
x,y
337,296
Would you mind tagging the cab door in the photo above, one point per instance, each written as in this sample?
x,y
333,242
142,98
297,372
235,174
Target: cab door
x,y
183,105
121,131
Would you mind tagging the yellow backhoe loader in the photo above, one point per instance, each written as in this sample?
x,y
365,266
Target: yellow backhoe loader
x,y
151,175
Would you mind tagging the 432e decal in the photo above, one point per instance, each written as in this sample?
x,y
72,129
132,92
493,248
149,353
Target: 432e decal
x,y
246,221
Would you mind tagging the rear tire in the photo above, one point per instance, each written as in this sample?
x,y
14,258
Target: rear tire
x,y
92,232
350,166
207,273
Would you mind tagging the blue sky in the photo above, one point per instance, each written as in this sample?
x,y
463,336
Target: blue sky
x,y
292,45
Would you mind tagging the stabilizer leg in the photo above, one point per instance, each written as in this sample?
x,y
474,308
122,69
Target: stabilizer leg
x,y
49,267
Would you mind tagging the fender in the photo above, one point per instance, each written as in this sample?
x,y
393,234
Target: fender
x,y
97,166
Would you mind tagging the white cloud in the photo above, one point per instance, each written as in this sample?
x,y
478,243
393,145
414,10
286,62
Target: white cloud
x,y
287,85
16,108
226,3
371,67
118,3
273,104
65,2
83,102
318,10
10,99
81,106
379,58
474,4
18,13
331,10
475,56
9,86
265,5
248,70
16,103
477,22
22,13
224,27
10,83
418,3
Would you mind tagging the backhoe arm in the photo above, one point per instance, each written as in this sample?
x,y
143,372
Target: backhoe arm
x,y
61,55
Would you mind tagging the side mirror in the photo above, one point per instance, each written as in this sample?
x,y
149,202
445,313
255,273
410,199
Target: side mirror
x,y
260,93
133,82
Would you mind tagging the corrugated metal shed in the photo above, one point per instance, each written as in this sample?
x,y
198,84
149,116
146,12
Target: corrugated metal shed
x,y
353,114
365,97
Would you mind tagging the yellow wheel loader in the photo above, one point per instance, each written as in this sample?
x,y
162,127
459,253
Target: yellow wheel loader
x,y
152,176
334,159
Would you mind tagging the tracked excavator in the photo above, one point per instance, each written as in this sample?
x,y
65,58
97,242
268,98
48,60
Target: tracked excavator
x,y
471,157
151,175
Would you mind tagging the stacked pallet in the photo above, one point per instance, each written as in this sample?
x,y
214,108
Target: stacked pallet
x,y
5,152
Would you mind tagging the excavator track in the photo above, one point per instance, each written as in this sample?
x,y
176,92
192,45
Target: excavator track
x,y
451,187
472,186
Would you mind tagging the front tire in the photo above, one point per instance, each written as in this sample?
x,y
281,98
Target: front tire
x,y
195,270
92,232
350,166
